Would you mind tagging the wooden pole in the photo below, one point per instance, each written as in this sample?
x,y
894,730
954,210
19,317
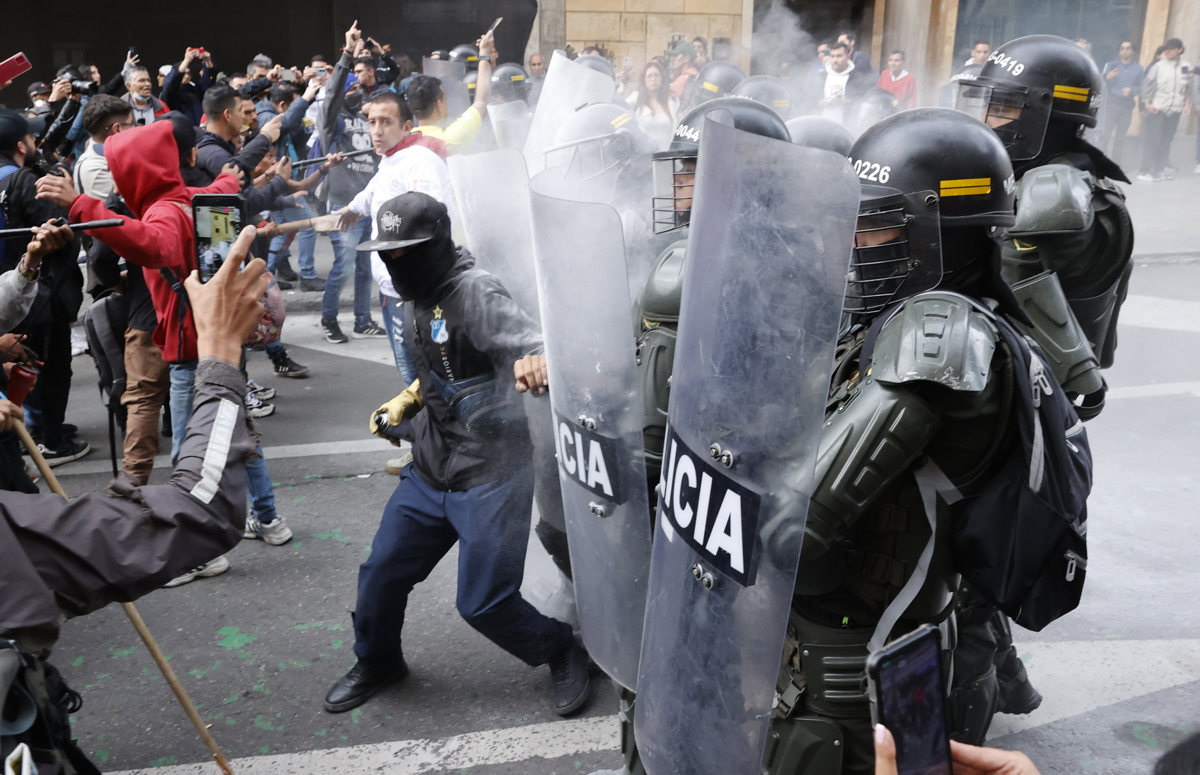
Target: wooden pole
x,y
138,623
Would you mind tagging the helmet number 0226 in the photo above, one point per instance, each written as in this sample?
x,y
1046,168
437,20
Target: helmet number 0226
x,y
869,170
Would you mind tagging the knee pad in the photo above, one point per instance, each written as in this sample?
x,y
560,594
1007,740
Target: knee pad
x,y
972,705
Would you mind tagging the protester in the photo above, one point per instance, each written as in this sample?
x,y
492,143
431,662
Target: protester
x,y
901,83
103,117
859,59
186,94
980,51
465,485
145,105
60,293
683,67
841,83
428,101
701,47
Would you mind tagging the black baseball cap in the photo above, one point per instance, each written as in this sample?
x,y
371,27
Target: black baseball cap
x,y
408,219
13,127
38,87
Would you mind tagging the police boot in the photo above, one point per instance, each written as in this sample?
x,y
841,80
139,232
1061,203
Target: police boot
x,y
569,674
360,683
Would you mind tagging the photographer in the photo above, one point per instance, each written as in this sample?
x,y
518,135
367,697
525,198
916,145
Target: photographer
x,y
59,293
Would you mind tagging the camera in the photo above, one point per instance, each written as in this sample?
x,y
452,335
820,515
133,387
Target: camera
x,y
84,87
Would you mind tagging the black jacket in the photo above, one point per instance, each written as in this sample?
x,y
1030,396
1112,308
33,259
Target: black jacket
x,y
213,152
481,331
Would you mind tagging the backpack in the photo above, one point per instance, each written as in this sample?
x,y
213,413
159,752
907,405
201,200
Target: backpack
x,y
37,705
1021,541
5,172
104,323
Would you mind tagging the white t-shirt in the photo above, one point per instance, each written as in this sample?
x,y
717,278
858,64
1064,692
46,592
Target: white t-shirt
x,y
415,168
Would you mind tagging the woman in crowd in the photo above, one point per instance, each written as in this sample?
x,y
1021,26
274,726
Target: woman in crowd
x,y
653,106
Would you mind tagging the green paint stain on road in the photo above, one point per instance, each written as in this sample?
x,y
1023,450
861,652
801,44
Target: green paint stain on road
x,y
321,732
337,644
265,749
101,756
355,715
262,723
233,638
77,661
200,672
121,653
230,721
300,499
303,627
163,762
335,534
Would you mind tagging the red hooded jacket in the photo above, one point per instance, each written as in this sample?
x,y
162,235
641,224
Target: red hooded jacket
x,y
145,167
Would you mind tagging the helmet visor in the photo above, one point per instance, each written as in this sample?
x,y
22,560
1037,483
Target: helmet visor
x,y
674,185
897,250
1018,116
594,162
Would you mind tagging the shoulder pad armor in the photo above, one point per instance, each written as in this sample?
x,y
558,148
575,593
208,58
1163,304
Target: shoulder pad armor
x,y
1054,198
936,337
664,288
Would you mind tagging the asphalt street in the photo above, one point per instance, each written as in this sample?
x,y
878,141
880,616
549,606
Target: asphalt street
x,y
258,647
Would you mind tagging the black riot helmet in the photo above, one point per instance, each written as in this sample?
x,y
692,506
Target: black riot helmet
x,y
924,173
675,168
596,145
465,53
597,63
717,79
441,54
471,79
510,83
871,108
768,90
1029,81
822,133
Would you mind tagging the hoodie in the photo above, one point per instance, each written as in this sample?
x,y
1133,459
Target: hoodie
x,y
145,167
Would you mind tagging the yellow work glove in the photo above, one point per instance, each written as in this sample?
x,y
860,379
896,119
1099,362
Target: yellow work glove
x,y
402,407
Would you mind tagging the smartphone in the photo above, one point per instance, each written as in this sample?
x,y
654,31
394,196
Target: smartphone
x,y
218,220
321,72
13,66
496,23
287,75
908,696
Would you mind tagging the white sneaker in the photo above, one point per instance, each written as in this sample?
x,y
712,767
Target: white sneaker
x,y
79,342
256,407
214,567
1197,170
264,393
1146,177
1168,173
275,533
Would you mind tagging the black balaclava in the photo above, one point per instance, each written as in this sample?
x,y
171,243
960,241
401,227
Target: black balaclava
x,y
976,270
422,273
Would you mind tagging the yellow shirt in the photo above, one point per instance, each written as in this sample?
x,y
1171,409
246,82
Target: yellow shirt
x,y
460,134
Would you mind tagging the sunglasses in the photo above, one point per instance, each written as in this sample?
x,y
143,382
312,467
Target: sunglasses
x,y
825,52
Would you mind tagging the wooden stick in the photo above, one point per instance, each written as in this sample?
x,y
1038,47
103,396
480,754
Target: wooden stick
x,y
138,623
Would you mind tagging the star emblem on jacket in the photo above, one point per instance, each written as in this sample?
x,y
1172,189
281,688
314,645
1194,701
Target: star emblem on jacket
x,y
437,327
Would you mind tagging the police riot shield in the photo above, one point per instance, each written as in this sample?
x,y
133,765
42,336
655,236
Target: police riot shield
x,y
568,87
492,192
510,123
771,233
579,254
451,74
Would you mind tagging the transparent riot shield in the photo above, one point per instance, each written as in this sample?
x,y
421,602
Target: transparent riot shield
x,y
451,74
579,254
568,87
492,192
771,233
510,123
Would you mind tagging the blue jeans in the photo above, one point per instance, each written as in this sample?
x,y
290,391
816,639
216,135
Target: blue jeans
x,y
393,321
346,255
258,479
420,524
306,241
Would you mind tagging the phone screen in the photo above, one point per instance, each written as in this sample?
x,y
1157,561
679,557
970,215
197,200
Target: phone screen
x,y
912,706
217,227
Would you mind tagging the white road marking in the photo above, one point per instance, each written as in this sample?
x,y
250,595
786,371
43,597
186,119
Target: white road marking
x,y
413,757
1159,312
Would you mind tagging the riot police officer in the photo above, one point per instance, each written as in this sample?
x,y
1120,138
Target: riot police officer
x,y
1040,93
923,257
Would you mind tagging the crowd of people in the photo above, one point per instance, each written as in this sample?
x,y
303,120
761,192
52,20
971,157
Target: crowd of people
x,y
362,146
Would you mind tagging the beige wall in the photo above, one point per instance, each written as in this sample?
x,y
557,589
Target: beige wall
x,y
640,29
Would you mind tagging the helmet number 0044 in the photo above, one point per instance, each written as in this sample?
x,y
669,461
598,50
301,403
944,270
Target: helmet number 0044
x,y
869,170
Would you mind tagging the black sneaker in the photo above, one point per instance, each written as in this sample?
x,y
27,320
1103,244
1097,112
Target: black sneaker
x,y
569,674
65,452
284,285
368,331
357,686
284,271
312,284
333,332
286,367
